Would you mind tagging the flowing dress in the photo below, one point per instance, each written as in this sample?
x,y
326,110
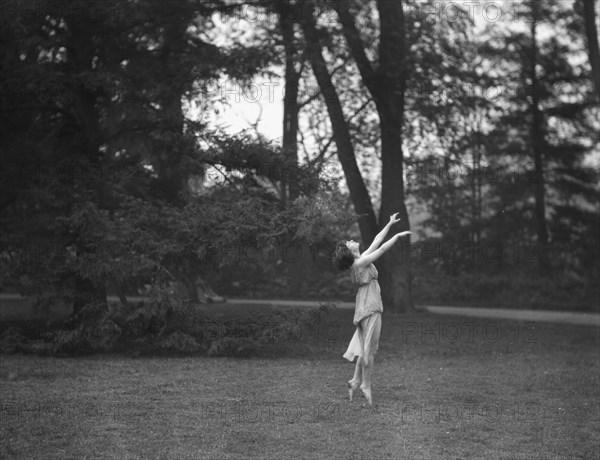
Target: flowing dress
x,y
367,312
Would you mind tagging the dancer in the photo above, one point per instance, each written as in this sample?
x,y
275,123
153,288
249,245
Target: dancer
x,y
368,309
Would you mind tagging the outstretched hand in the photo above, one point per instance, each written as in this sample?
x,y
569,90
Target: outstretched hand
x,y
394,218
401,234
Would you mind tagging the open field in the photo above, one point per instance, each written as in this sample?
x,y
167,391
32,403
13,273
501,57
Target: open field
x,y
444,387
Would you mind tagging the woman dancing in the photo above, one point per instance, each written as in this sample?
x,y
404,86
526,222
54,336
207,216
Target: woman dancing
x,y
367,313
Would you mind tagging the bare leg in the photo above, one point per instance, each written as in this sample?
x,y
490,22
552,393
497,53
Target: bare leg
x,y
358,371
355,382
370,348
367,370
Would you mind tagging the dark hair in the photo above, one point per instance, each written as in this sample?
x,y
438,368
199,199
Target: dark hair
x,y
343,258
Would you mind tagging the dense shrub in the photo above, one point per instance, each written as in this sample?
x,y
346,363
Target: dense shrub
x,y
509,290
249,335
180,342
166,324
11,340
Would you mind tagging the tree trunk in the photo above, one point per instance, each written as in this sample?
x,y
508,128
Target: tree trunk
x,y
297,249
169,154
396,292
591,33
387,86
394,267
341,134
538,144
86,291
289,185
476,187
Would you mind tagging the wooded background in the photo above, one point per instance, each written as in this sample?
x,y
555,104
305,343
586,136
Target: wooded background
x,y
477,121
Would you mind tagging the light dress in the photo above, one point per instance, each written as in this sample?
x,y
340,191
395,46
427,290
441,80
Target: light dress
x,y
367,312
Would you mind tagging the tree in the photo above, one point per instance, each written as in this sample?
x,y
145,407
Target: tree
x,y
293,71
591,32
448,110
110,151
538,143
553,101
341,134
386,83
387,88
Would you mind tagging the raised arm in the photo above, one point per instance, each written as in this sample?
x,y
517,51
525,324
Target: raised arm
x,y
382,234
366,259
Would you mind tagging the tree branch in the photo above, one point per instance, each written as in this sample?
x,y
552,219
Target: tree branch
x,y
341,66
355,43
330,141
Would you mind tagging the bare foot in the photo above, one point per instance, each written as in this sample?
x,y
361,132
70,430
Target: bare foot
x,y
352,388
367,394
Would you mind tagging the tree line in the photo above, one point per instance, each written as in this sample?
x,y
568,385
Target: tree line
x,y
103,159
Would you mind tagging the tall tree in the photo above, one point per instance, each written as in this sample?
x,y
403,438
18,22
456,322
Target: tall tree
x,y
538,141
546,128
591,33
291,108
341,135
110,137
386,84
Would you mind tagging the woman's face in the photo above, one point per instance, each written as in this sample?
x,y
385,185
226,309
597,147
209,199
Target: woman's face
x,y
352,245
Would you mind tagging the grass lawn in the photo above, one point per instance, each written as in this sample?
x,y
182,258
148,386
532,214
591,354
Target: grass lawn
x,y
444,387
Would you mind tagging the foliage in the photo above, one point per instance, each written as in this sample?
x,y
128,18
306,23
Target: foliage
x,y
109,191
170,326
476,180
506,290
109,184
